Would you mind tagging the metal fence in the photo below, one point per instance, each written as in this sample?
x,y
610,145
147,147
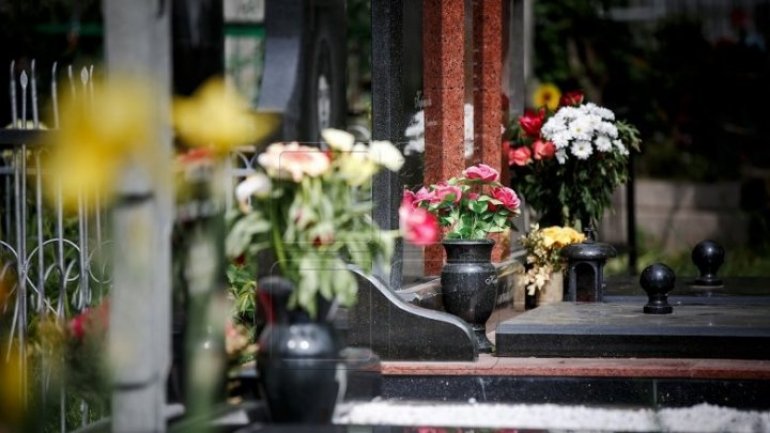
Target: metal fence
x,y
47,256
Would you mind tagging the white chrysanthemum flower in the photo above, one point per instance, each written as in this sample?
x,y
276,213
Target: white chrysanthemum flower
x,y
608,129
561,156
561,139
603,143
605,113
581,129
622,149
552,126
568,113
581,149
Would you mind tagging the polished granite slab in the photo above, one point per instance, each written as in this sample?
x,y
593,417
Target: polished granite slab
x,y
623,330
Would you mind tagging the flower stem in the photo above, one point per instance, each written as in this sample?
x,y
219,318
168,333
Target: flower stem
x,y
278,242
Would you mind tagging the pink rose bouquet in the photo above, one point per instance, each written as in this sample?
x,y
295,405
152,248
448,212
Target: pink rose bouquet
x,y
470,206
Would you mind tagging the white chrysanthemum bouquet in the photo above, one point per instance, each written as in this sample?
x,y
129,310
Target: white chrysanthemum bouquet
x,y
566,162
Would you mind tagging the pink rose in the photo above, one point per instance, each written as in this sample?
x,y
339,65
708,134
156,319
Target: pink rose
x,y
444,193
482,172
409,198
543,149
423,195
520,156
419,226
507,196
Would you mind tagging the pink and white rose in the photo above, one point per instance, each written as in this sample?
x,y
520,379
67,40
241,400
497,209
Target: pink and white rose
x,y
293,161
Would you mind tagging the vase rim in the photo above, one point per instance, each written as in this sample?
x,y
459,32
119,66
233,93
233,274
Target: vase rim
x,y
468,241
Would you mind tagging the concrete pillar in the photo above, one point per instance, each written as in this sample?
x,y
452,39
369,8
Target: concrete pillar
x,y
137,39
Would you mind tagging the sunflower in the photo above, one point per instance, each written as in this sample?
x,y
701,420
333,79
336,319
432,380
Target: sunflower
x,y
547,95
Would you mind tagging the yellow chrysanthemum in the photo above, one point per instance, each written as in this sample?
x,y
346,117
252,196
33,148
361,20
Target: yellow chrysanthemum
x,y
546,95
217,117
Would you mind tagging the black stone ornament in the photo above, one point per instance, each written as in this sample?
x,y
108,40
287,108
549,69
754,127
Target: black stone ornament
x,y
657,280
585,268
708,256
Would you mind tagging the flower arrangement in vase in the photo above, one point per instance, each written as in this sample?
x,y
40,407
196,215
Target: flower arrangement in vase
x,y
544,263
567,161
469,208
310,210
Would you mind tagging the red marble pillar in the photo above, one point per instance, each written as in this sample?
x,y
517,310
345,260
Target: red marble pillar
x,y
443,86
487,94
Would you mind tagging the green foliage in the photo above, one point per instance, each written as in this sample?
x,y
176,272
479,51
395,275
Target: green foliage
x,y
739,261
470,208
315,226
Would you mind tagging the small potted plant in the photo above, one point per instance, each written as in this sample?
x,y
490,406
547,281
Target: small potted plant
x,y
470,208
544,276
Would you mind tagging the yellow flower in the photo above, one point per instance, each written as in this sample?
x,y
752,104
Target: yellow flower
x,y
547,95
356,170
97,135
216,117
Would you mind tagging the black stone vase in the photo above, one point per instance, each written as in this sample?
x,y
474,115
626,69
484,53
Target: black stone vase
x,y
297,360
469,284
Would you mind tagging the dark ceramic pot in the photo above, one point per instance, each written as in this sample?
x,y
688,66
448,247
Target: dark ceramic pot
x,y
297,360
469,284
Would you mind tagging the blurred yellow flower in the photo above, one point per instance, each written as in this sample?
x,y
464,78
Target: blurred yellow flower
x,y
97,134
217,117
356,170
10,392
544,253
546,95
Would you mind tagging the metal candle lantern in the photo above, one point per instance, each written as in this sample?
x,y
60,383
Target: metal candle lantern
x,y
585,268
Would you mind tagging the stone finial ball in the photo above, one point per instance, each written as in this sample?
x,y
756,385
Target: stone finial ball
x,y
708,255
657,279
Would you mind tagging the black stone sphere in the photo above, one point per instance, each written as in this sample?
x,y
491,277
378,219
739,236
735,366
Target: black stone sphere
x,y
657,280
708,256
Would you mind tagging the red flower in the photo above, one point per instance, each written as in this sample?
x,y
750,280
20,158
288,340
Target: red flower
x,y
532,121
507,196
77,325
482,172
573,98
543,149
419,226
520,156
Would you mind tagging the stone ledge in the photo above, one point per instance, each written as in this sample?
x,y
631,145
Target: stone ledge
x,y
487,365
